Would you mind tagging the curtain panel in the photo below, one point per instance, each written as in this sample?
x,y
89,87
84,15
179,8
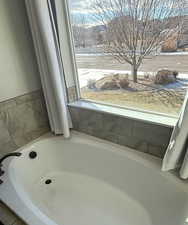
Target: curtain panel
x,y
176,156
45,36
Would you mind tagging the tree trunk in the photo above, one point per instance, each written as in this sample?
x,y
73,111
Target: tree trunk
x,y
134,73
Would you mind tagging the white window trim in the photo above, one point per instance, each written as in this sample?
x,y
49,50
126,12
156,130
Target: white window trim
x,y
70,68
67,45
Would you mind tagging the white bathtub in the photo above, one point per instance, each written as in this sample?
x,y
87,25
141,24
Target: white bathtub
x,y
94,182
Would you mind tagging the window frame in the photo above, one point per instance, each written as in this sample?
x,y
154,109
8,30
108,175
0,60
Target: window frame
x,y
63,7
67,46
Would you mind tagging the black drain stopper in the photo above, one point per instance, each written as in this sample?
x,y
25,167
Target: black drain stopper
x,y
48,181
32,155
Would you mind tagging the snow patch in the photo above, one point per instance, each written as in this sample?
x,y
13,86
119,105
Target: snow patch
x,y
97,74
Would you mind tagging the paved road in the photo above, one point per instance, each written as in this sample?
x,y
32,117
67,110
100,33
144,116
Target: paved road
x,y
174,62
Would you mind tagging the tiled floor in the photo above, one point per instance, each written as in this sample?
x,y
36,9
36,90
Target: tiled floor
x,y
7,217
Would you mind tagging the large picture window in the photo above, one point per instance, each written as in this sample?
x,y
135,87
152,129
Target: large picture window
x,y
132,53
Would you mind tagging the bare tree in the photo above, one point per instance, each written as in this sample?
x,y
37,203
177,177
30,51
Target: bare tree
x,y
137,28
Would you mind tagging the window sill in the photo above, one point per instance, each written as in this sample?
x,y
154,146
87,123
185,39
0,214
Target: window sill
x,y
150,117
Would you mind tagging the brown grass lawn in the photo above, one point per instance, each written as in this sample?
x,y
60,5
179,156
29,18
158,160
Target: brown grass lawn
x,y
163,101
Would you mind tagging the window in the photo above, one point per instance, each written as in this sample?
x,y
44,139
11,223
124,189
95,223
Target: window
x,y
132,53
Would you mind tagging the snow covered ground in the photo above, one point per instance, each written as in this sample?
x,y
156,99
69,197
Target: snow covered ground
x,y
97,74
106,54
174,53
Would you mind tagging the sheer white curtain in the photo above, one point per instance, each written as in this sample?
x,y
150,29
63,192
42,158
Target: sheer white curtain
x,y
177,152
50,65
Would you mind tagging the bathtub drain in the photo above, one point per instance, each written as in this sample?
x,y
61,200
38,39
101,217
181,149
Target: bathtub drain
x,y
48,181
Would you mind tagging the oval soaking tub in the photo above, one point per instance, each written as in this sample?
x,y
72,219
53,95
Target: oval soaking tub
x,y
88,181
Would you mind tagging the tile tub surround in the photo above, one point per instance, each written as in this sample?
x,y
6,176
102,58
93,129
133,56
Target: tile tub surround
x,y
139,135
22,119
7,217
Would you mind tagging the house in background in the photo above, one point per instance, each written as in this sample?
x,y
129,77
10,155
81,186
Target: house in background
x,y
179,40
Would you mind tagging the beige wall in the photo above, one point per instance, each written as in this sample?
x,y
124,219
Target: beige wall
x,y
18,68
23,115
